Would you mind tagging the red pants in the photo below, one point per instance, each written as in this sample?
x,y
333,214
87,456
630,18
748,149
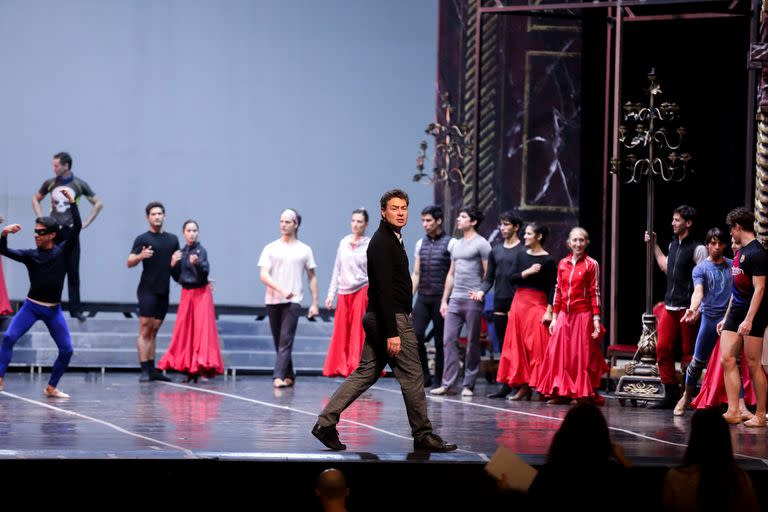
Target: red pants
x,y
670,331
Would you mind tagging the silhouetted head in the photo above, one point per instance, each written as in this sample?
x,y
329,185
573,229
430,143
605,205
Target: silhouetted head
x,y
710,439
582,438
331,486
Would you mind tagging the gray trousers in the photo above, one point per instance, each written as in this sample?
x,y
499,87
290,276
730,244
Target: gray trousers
x,y
283,319
406,366
459,312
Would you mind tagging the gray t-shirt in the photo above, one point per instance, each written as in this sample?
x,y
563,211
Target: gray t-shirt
x,y
468,257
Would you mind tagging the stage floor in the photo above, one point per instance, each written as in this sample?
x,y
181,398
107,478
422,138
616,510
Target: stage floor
x,y
115,417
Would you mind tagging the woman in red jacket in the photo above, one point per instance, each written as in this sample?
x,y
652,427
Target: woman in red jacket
x,y
574,364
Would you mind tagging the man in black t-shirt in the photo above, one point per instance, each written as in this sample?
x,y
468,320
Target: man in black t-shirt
x,y
154,250
746,318
60,211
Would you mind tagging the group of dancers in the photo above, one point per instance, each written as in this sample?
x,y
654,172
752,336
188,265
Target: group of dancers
x,y
194,348
546,314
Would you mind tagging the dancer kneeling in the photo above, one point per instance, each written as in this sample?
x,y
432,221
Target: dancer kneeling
x,y
47,265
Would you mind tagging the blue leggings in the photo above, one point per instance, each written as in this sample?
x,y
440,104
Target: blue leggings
x,y
57,326
705,343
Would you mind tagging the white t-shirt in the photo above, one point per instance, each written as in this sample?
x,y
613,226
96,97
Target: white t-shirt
x,y
285,263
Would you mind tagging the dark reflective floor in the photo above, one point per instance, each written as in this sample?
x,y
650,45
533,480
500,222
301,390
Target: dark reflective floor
x,y
115,416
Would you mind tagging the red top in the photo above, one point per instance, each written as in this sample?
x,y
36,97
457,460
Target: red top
x,y
578,286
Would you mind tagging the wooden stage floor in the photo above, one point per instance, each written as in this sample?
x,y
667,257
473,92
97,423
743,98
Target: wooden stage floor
x,y
113,416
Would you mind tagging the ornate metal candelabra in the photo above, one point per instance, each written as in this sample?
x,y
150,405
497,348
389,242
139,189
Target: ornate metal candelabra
x,y
453,146
650,139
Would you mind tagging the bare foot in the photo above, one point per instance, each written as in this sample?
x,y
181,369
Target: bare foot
x,y
288,382
278,383
733,419
745,414
52,392
754,422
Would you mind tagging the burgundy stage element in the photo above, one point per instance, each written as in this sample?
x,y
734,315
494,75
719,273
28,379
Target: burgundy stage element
x,y
525,342
348,335
194,345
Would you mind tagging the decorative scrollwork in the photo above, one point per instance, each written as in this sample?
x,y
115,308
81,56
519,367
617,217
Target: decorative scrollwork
x,y
642,389
453,146
653,135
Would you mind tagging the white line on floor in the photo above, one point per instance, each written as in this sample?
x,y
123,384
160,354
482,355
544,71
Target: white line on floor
x,y
545,417
186,451
300,411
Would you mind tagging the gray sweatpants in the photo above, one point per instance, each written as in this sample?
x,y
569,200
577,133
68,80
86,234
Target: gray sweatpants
x,y
459,312
406,366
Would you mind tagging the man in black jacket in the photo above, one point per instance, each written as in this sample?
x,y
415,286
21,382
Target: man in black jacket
x,y
389,336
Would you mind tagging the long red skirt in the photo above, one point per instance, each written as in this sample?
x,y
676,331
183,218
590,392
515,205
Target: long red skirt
x,y
525,341
5,304
573,364
195,342
348,336
712,393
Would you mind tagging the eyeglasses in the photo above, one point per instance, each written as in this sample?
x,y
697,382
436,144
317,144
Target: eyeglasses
x,y
42,232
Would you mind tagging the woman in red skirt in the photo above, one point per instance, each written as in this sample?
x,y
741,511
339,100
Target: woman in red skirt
x,y
574,362
194,346
5,304
525,341
350,282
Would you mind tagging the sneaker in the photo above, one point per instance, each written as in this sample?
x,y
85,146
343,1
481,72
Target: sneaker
x,y
157,375
467,392
432,443
329,436
440,391
55,393
682,404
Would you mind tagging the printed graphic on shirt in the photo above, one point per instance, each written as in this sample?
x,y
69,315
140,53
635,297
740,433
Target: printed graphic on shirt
x,y
59,203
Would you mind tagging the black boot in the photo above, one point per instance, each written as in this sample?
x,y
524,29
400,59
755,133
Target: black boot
x,y
671,396
502,392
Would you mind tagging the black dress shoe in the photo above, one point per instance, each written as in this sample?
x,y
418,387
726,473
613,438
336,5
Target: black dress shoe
x,y
80,316
432,443
329,436
158,375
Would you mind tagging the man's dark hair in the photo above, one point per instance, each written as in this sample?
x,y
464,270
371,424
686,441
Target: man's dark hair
x,y
538,229
361,211
744,217
154,204
686,212
389,194
48,223
474,214
715,234
64,159
510,217
434,210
